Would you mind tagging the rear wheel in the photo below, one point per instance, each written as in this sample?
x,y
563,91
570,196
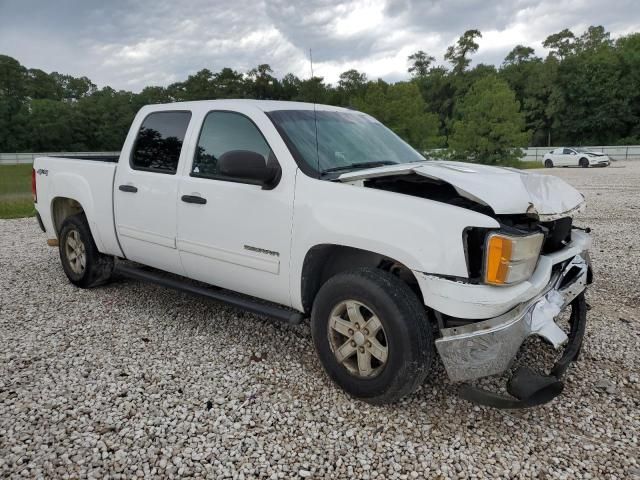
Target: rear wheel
x,y
548,163
584,163
372,335
83,264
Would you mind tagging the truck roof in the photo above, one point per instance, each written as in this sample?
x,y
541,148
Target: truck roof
x,y
264,105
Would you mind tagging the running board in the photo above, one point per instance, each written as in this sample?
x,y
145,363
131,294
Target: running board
x,y
253,306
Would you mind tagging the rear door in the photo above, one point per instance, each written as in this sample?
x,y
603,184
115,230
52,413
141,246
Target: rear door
x,y
569,157
232,234
145,191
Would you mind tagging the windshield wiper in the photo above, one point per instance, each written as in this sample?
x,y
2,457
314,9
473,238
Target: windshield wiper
x,y
354,166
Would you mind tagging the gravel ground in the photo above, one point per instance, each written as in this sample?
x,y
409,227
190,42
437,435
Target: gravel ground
x,y
134,380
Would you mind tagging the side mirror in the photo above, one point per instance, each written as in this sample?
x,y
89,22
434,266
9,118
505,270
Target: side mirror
x,y
248,166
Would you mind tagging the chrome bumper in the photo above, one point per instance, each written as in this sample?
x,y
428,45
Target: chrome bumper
x,y
488,347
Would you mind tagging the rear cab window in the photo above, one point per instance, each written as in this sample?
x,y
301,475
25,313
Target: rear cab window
x,y
159,142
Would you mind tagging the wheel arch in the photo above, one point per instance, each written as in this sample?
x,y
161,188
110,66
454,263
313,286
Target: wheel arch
x,y
64,207
323,261
61,209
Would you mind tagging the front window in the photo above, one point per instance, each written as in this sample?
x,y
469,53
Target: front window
x,y
221,133
345,141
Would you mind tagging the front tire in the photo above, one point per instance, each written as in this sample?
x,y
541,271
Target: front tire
x,y
548,163
584,163
372,335
83,264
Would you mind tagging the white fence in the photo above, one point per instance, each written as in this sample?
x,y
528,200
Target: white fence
x,y
625,152
15,158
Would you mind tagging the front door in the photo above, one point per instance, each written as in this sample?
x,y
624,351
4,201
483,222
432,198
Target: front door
x,y
233,234
145,192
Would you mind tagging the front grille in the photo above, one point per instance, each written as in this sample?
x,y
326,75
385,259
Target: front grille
x,y
558,235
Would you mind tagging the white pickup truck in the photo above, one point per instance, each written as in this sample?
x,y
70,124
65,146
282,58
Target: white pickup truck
x,y
297,210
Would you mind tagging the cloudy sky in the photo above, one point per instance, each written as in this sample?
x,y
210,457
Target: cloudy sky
x,y
130,44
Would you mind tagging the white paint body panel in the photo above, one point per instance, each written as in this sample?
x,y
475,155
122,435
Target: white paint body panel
x,y
88,182
505,190
213,238
280,226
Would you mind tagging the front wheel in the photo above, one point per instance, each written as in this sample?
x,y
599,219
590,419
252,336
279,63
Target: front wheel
x,y
584,163
548,163
372,335
83,264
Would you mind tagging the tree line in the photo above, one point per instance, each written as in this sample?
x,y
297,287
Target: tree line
x,y
585,91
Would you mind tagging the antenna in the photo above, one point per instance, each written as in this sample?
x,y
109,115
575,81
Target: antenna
x,y
315,114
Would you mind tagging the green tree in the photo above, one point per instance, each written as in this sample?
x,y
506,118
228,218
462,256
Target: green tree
x,y
491,126
458,54
594,38
532,81
351,84
12,96
261,83
519,55
420,63
229,84
401,108
561,44
313,90
589,104
290,86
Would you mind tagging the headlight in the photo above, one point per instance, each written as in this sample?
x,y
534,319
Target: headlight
x,y
510,259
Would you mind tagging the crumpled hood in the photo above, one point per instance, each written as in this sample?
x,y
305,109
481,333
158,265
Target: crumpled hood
x,y
506,190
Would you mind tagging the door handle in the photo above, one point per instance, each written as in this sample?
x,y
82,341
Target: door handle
x,y
194,199
128,188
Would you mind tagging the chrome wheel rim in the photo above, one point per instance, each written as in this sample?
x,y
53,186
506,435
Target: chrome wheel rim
x,y
357,339
76,253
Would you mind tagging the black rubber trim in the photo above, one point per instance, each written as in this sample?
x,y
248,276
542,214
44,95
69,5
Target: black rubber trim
x,y
530,389
253,306
40,222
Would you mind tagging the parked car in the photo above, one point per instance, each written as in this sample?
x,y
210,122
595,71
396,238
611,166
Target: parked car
x,y
575,157
322,212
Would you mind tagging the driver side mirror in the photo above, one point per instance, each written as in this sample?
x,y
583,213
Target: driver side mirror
x,y
249,167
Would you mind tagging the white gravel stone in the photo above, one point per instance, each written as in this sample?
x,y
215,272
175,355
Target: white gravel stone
x,y
134,380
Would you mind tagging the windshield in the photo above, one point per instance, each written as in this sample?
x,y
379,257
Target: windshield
x,y
346,141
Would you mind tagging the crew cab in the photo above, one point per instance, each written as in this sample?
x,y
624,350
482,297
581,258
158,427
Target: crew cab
x,y
575,157
300,211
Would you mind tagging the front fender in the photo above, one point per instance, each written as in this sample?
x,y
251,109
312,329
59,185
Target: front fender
x,y
422,234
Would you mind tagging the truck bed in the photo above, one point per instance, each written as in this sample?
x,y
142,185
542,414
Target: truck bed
x,y
89,183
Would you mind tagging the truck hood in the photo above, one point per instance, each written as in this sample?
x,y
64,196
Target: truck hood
x,y
506,191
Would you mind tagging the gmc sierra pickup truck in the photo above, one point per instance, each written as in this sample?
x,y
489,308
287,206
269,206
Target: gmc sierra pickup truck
x,y
297,211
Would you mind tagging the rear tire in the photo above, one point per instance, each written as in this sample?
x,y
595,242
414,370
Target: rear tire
x,y
584,163
381,346
548,163
81,261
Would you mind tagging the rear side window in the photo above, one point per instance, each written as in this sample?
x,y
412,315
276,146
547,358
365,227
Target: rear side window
x,y
223,132
159,142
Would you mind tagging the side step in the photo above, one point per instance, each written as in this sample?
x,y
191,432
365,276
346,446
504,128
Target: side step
x,y
253,306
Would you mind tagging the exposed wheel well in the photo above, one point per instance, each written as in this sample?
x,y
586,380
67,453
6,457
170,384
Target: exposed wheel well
x,y
61,209
324,261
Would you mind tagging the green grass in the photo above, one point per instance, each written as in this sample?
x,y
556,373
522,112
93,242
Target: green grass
x,y
15,191
529,164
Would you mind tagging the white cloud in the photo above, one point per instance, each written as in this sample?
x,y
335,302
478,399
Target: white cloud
x,y
133,43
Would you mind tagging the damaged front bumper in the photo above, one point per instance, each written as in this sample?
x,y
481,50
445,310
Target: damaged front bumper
x,y
488,347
